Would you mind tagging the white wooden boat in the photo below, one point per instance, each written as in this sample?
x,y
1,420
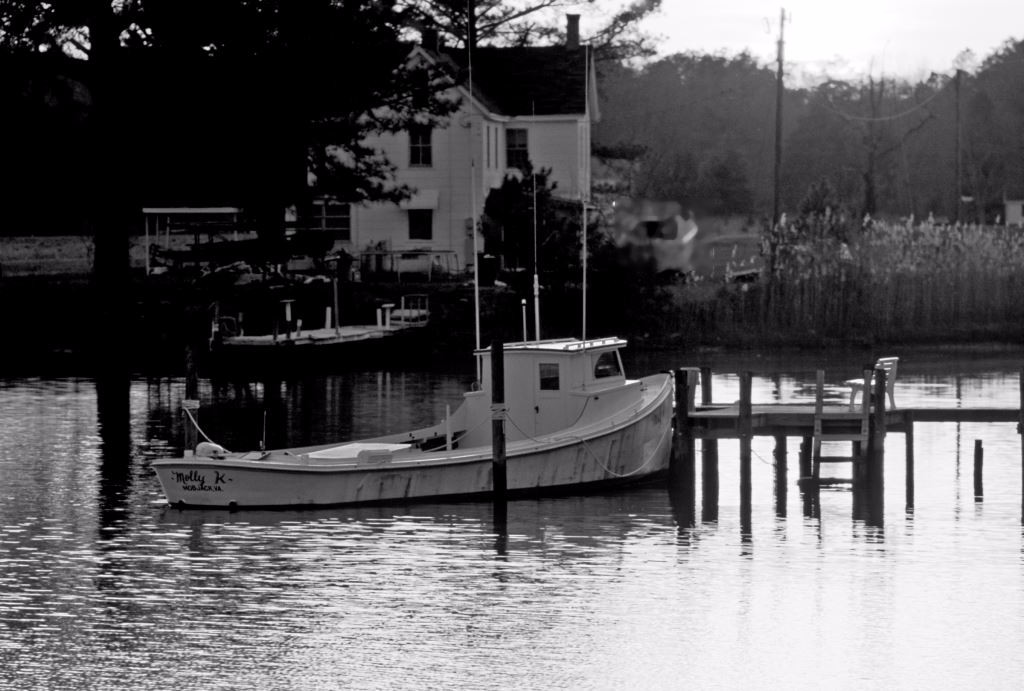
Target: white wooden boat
x,y
573,421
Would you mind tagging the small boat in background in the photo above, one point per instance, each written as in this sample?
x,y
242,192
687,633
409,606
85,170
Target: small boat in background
x,y
573,421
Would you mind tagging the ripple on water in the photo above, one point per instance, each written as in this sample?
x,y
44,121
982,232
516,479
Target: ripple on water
x,y
102,588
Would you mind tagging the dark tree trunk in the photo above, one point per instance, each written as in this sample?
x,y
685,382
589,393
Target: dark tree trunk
x,y
109,201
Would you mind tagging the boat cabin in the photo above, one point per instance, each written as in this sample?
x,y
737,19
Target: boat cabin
x,y
553,385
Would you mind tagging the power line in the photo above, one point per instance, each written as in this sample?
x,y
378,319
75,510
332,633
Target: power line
x,y
885,118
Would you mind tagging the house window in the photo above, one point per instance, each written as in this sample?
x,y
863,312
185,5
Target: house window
x,y
420,152
488,149
421,224
607,366
549,376
333,216
516,152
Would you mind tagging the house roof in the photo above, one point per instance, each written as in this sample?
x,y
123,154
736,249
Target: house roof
x,y
534,80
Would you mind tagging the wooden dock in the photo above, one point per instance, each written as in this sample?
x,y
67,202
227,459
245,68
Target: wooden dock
x,y
863,426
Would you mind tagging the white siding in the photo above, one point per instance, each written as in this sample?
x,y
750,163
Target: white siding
x,y
556,144
563,144
455,151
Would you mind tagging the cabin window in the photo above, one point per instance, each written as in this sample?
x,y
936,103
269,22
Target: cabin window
x,y
607,366
421,224
420,152
517,154
549,376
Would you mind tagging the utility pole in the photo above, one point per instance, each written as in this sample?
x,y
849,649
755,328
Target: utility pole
x,y
959,154
780,91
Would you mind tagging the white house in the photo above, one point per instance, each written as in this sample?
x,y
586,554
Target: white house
x,y
525,103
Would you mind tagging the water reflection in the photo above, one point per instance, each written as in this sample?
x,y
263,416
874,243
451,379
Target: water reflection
x,y
101,582
113,412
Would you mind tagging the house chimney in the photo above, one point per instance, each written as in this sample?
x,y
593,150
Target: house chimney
x,y
572,31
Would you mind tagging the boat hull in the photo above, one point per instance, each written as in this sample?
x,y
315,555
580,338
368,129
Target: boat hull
x,y
625,451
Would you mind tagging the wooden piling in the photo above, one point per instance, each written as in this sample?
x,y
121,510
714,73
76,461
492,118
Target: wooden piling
x,y
1020,431
705,386
876,453
190,406
334,303
780,475
979,461
686,389
819,408
862,448
709,457
499,478
745,428
684,457
805,457
190,413
908,421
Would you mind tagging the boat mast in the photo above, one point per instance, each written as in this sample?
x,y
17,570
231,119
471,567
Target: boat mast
x,y
472,189
584,194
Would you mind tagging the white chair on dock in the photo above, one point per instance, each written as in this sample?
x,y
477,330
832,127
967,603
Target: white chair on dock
x,y
890,365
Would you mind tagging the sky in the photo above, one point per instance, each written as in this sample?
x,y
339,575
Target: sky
x,y
908,38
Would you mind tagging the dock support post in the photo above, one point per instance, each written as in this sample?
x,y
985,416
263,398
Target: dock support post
x,y
979,461
869,494
705,386
876,459
805,457
190,406
334,302
709,458
819,407
780,475
809,490
499,478
862,449
908,422
709,480
684,471
745,431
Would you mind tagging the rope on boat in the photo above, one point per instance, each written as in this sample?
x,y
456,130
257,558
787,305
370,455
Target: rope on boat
x,y
199,429
586,447
459,437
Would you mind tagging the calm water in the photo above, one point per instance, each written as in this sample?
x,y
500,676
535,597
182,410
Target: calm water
x,y
101,586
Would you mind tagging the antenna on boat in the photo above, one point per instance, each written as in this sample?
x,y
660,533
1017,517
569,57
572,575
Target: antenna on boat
x,y
536,281
472,191
583,233
584,194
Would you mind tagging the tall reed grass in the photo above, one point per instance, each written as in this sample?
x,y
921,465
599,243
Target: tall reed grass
x,y
826,282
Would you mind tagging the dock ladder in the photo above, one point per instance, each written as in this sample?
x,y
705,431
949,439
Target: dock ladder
x,y
838,425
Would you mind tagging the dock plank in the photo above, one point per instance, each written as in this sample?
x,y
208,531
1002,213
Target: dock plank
x,y
721,421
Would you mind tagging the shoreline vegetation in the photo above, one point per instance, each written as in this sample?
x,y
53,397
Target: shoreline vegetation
x,y
824,284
